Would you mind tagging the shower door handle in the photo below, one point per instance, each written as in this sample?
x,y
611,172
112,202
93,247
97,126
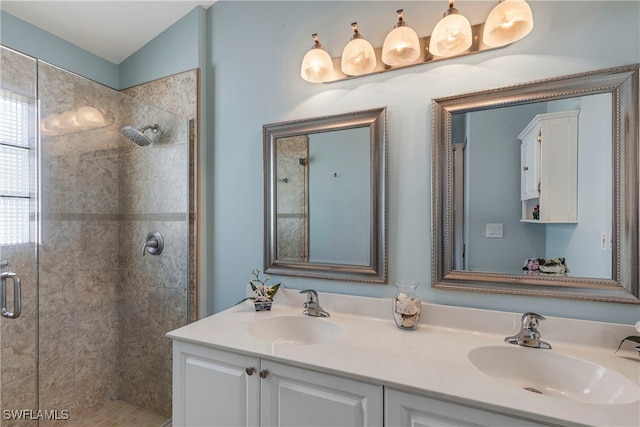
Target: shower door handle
x,y
17,297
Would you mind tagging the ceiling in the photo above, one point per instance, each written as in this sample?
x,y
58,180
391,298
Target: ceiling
x,y
111,29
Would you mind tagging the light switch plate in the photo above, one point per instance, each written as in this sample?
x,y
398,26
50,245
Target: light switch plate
x,y
494,230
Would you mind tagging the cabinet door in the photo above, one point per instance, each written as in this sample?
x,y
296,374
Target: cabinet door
x,y
529,162
411,410
559,169
214,388
298,397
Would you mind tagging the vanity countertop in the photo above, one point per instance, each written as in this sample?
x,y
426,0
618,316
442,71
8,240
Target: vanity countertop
x,y
434,359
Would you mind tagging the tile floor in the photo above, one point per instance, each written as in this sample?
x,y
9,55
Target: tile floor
x,y
116,414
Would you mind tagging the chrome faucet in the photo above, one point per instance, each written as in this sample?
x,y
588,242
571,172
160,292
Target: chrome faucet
x,y
312,306
529,335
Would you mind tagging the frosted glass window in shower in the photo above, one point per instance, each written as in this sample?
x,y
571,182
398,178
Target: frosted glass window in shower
x,y
14,169
14,120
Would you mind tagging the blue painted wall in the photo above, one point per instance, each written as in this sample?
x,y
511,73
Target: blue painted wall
x,y
176,49
179,48
339,168
250,54
33,41
254,71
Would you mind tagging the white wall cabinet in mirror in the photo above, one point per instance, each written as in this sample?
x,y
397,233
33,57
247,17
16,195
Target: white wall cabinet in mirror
x,y
325,197
549,168
478,187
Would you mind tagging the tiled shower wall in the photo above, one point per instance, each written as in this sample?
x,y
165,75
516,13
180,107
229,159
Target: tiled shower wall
x,y
152,289
292,189
104,308
178,94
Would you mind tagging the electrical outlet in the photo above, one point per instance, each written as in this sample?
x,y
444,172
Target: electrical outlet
x,y
604,238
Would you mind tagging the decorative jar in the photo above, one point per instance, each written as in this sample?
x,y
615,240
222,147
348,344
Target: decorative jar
x,y
406,306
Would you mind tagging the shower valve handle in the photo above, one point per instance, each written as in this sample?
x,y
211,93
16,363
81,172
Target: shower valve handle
x,y
154,244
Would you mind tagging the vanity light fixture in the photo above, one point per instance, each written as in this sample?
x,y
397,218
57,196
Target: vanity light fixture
x,y
508,22
452,34
317,66
358,56
402,45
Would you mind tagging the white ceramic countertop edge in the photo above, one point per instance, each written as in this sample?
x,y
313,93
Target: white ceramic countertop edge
x,y
433,360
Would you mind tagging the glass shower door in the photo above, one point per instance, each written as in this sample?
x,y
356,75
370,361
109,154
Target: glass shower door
x,y
77,200
105,303
18,240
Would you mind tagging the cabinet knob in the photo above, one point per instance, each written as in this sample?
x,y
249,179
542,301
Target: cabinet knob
x,y
264,373
250,370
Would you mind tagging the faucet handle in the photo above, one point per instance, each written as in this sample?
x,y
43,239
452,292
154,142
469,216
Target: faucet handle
x,y
312,296
530,320
529,335
312,306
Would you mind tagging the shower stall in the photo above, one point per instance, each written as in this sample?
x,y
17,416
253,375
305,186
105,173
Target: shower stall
x,y
85,301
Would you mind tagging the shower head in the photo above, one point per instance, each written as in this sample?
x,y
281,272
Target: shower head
x,y
138,136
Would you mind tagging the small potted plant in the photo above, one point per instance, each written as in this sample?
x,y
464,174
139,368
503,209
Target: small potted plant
x,y
536,212
263,294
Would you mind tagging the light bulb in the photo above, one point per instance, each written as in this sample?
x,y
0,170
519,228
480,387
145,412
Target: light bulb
x,y
53,123
401,46
452,34
317,66
90,117
358,56
508,22
69,121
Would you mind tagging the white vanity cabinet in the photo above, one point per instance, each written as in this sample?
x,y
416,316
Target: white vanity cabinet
x,y
218,388
412,410
293,396
214,388
549,168
374,374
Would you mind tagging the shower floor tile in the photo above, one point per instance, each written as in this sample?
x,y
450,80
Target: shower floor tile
x,y
116,414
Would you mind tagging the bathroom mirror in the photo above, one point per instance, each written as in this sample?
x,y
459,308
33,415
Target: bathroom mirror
x,y
484,230
325,198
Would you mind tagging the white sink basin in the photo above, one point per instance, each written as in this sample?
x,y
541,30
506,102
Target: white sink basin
x,y
556,375
302,330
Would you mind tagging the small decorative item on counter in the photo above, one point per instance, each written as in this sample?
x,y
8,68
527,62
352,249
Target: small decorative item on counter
x,y
406,306
633,338
536,212
264,294
551,266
